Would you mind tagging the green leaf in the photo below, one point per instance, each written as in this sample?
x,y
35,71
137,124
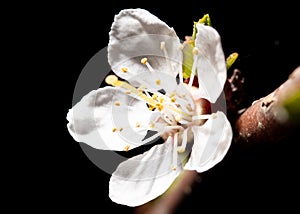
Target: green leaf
x,y
205,20
194,33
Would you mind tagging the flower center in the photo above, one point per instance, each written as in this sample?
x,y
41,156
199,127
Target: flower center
x,y
172,110
178,110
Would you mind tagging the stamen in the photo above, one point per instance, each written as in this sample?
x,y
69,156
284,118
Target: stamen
x,y
154,96
117,103
145,62
175,155
126,148
113,80
163,48
137,124
159,106
161,99
204,116
169,128
157,82
114,129
124,69
181,73
181,148
193,73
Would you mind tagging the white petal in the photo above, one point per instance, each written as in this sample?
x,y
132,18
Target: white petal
x,y
94,118
211,143
135,34
211,65
144,177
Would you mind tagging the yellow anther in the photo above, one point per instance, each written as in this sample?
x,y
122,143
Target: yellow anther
x,y
154,97
121,129
174,168
195,51
137,125
117,103
144,61
111,79
159,106
124,69
151,107
157,82
153,101
127,92
126,148
173,99
161,99
114,129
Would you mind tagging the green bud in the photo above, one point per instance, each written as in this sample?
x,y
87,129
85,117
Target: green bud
x,y
231,59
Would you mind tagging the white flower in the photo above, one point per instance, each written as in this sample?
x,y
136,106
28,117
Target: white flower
x,y
146,53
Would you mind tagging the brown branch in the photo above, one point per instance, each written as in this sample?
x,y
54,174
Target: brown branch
x,y
266,120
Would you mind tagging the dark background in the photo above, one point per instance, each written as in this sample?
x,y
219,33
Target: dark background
x,y
61,178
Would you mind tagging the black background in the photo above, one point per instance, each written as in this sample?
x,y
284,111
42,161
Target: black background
x,y
60,178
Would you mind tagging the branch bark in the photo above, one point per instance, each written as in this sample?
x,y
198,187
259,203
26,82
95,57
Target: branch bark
x,y
266,120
